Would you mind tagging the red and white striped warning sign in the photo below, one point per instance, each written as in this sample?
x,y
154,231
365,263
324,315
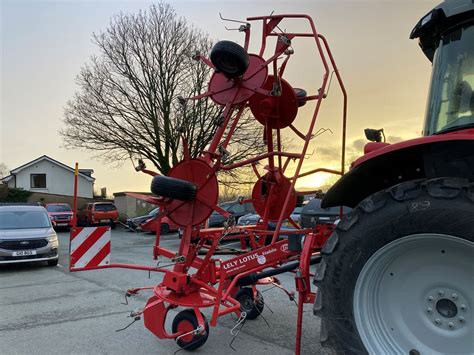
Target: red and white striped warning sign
x,y
89,247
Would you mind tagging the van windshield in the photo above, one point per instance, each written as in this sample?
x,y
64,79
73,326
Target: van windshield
x,y
24,220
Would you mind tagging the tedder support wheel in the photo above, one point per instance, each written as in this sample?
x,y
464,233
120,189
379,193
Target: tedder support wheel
x,y
249,304
397,275
186,322
230,58
177,189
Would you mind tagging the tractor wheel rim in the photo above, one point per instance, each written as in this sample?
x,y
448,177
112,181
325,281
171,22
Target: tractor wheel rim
x,y
415,296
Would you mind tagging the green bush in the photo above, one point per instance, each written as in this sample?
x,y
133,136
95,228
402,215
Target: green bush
x,y
15,195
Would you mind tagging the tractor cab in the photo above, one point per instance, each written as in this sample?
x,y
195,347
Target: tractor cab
x,y
446,36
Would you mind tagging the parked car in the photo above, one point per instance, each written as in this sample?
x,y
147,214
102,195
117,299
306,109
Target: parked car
x,y
235,208
148,222
60,214
312,214
167,225
135,222
254,218
27,234
296,215
96,213
249,219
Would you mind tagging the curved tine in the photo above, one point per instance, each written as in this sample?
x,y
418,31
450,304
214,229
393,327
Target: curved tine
x,y
231,20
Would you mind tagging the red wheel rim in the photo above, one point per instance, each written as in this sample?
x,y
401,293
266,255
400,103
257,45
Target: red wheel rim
x,y
184,327
276,200
276,111
194,212
235,93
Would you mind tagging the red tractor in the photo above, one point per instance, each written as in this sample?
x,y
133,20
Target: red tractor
x,y
397,275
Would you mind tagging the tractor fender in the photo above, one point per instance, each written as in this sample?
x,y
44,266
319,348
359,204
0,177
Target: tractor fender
x,y
448,155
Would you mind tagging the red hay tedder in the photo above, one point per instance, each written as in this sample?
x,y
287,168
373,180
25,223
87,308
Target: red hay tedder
x,y
396,274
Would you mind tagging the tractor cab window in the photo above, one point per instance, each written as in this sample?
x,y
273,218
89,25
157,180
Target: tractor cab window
x,y
451,98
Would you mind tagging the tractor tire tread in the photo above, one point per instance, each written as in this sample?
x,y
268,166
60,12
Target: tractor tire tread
x,y
320,271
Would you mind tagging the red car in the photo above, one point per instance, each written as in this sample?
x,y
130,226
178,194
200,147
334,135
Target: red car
x,y
60,214
167,225
98,213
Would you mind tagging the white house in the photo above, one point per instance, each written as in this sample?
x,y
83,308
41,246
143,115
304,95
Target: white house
x,y
49,176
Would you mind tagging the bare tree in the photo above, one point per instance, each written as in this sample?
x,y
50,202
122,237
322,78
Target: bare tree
x,y
3,170
127,102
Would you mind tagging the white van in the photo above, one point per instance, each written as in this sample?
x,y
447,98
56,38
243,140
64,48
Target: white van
x,y
26,235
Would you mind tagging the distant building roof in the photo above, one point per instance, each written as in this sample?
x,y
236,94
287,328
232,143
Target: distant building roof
x,y
124,193
7,178
85,173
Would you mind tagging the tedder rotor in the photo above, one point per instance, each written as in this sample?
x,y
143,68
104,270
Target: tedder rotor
x,y
240,81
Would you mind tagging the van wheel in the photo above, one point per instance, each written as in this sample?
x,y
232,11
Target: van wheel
x,y
53,262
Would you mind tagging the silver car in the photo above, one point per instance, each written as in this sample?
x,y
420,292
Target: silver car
x,y
26,235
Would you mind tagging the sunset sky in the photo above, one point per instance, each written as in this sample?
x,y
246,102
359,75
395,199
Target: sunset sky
x,y
45,43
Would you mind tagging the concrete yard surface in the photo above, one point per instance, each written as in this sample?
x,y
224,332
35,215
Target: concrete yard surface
x,y
48,310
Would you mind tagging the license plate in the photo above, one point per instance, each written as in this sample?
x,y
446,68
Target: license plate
x,y
24,252
61,224
104,220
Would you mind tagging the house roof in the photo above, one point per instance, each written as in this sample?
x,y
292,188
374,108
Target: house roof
x,y
124,193
7,178
45,157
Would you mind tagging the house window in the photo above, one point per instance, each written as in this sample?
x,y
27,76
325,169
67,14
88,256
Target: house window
x,y
38,181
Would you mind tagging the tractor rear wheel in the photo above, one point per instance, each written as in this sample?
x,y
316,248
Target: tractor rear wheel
x,y
397,275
